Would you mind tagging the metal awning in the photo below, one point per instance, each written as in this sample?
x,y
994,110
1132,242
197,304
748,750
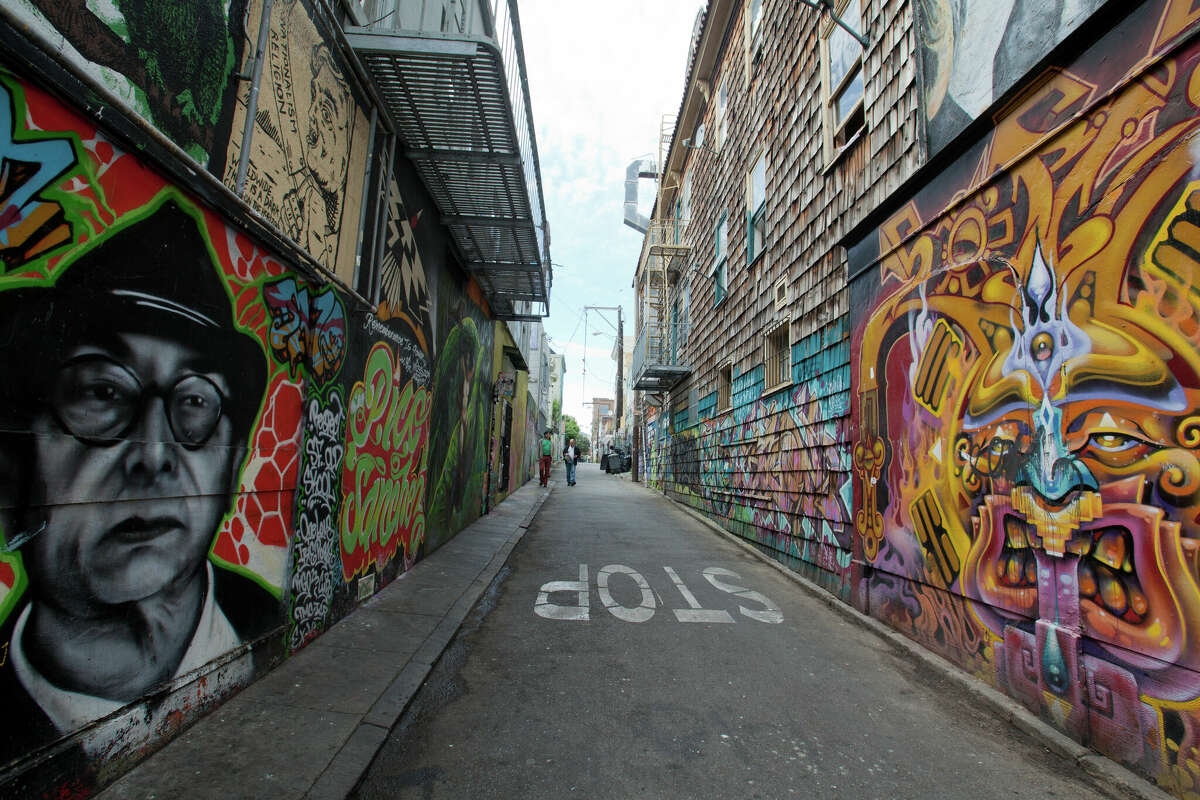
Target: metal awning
x,y
660,378
471,143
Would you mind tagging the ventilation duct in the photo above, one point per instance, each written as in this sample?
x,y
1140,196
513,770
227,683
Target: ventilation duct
x,y
638,168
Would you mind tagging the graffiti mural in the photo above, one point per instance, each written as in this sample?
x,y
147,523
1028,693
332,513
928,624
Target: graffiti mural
x,y
146,442
774,468
462,380
173,63
384,481
1027,481
308,335
973,51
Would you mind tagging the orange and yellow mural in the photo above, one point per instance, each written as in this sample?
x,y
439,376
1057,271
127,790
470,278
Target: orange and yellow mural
x,y
1027,403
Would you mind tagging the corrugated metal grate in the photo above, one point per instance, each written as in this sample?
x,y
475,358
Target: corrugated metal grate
x,y
450,102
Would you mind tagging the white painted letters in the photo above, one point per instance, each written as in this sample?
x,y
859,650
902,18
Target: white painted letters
x,y
639,614
695,613
644,611
772,614
544,608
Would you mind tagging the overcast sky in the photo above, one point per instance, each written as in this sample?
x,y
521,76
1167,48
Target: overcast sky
x,y
601,76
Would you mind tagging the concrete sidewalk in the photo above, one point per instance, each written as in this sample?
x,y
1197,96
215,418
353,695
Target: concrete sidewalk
x,y
311,727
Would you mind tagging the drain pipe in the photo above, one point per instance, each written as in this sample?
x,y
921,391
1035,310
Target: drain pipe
x,y
252,104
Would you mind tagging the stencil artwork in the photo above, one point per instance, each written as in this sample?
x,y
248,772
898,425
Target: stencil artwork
x,y
306,129
1027,474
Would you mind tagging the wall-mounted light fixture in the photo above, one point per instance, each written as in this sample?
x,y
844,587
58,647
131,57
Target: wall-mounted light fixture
x,y
687,143
827,7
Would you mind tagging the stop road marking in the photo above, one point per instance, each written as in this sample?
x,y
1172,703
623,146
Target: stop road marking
x,y
578,608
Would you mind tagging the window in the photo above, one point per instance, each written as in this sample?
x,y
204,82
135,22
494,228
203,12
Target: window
x,y
724,387
721,235
722,107
698,140
685,198
843,85
756,209
776,358
754,13
753,29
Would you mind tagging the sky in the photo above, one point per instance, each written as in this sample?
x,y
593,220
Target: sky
x,y
601,76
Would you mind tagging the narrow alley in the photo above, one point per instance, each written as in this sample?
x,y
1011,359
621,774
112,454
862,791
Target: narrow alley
x,y
693,669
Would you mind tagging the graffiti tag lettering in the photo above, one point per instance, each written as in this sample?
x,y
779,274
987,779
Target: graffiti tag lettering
x,y
384,476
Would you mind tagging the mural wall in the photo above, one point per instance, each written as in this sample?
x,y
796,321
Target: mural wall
x,y
205,457
178,65
1027,402
773,469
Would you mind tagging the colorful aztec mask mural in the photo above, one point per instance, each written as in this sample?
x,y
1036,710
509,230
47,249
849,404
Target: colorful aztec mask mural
x,y
1027,404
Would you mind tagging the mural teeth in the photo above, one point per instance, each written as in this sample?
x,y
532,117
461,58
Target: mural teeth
x,y
1112,592
1087,580
1015,532
1137,599
1031,569
1110,549
1012,569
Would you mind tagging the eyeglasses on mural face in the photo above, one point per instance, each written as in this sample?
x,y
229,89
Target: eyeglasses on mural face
x,y
99,401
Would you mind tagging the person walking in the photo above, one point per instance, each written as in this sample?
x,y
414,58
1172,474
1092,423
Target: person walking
x,y
570,457
544,461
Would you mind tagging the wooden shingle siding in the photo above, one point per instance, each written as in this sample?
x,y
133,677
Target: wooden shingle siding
x,y
775,467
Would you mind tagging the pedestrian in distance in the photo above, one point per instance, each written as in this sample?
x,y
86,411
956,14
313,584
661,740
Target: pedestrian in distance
x,y
544,461
570,458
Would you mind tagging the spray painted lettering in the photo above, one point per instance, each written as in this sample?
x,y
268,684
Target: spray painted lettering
x,y
384,476
316,531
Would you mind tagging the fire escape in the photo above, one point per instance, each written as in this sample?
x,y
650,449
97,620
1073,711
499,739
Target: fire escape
x,y
452,76
660,356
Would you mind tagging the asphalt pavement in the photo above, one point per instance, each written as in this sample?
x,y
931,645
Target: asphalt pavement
x,y
626,650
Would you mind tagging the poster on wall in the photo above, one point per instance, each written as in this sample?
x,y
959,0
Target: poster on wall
x,y
308,130
974,51
1026,369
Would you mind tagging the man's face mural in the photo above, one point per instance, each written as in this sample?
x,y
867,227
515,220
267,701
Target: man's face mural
x,y
327,141
147,431
1028,391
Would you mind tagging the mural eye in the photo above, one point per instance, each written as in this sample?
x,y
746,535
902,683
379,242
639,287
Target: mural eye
x,y
1113,442
1042,346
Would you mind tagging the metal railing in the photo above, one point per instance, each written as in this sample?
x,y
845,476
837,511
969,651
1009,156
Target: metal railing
x,y
660,345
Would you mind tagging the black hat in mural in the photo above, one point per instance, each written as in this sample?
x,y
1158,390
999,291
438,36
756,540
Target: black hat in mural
x,y
155,276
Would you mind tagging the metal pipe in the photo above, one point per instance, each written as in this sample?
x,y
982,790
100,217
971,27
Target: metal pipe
x,y
366,193
252,103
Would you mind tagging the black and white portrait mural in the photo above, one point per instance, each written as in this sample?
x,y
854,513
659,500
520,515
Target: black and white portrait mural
x,y
976,50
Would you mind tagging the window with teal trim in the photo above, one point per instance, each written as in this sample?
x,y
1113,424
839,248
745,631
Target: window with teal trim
x,y
721,237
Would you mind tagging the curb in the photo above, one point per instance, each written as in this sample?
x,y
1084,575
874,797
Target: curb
x,y
1103,773
353,760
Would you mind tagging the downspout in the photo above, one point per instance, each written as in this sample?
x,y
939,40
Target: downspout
x,y
252,104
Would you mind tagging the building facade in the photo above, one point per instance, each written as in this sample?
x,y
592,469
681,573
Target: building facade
x,y
916,317
255,355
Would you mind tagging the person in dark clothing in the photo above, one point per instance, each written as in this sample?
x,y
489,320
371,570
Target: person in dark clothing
x,y
571,457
